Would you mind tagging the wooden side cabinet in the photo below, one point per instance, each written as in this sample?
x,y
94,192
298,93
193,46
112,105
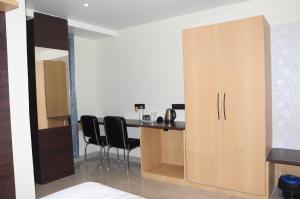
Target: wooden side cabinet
x,y
7,5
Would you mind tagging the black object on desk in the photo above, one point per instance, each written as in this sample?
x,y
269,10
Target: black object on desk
x,y
159,119
146,117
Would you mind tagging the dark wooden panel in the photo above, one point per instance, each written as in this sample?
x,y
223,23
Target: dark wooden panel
x,y
32,98
285,156
50,32
51,148
56,153
7,185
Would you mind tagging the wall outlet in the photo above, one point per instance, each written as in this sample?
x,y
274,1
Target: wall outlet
x,y
139,106
178,106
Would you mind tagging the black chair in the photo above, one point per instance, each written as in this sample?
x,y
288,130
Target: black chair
x,y
117,137
91,134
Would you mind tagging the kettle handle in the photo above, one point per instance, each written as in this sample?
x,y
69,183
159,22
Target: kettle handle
x,y
173,114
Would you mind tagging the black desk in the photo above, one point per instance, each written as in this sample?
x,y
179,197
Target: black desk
x,y
138,123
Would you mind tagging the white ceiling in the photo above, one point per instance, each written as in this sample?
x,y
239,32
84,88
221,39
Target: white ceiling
x,y
120,14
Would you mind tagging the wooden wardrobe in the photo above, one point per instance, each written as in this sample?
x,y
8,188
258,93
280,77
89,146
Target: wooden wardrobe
x,y
228,105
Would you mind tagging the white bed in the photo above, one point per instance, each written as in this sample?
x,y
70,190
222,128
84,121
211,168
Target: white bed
x,y
91,190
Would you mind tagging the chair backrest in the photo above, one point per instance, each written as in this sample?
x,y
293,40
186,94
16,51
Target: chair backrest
x,y
90,127
116,131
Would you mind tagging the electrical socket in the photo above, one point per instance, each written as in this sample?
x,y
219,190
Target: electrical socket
x,y
178,106
139,106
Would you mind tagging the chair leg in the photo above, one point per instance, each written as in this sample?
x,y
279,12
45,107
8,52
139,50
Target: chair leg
x,y
101,156
104,152
85,160
118,155
128,161
107,156
124,154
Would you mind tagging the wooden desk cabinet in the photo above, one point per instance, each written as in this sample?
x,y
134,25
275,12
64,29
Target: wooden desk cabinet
x,y
162,154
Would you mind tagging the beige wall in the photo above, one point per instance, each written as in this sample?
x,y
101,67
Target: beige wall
x,y
19,104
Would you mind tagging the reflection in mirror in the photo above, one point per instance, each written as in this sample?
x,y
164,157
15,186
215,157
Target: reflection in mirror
x,y
52,87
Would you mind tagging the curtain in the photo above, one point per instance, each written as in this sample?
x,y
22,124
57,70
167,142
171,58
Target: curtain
x,y
73,99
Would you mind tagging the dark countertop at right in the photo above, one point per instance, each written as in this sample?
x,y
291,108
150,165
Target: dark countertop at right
x,y
284,156
177,125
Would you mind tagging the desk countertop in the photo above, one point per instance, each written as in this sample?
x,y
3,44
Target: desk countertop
x,y
285,156
165,126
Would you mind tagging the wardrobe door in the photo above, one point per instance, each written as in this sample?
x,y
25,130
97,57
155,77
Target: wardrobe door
x,y
203,128
242,61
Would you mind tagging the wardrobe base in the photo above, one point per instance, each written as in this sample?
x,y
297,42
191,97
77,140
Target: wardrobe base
x,y
270,168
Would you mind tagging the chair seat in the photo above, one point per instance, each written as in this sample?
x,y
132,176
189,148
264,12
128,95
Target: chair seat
x,y
102,141
133,143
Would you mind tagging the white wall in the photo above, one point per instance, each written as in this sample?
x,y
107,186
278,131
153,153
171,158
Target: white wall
x,y
89,95
19,104
86,82
144,64
286,89
85,75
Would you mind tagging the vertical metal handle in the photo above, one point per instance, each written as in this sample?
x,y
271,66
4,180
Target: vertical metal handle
x,y
224,106
218,105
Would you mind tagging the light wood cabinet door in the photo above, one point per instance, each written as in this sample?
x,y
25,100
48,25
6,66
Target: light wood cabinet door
x,y
203,127
242,63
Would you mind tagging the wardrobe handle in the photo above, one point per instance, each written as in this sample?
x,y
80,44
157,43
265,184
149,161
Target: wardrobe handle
x,y
218,105
224,106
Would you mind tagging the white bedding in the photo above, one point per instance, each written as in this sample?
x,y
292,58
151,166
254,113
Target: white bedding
x,y
91,190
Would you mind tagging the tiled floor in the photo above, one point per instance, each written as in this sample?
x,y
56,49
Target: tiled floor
x,y
117,178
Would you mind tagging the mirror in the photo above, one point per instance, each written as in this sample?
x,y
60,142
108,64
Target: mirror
x,y
52,87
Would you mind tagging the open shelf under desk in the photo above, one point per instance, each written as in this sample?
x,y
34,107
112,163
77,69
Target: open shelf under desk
x,y
166,172
162,155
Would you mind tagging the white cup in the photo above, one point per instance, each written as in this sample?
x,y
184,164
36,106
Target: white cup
x,y
153,116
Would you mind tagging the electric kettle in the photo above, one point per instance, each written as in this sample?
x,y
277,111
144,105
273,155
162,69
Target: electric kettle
x,y
170,115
